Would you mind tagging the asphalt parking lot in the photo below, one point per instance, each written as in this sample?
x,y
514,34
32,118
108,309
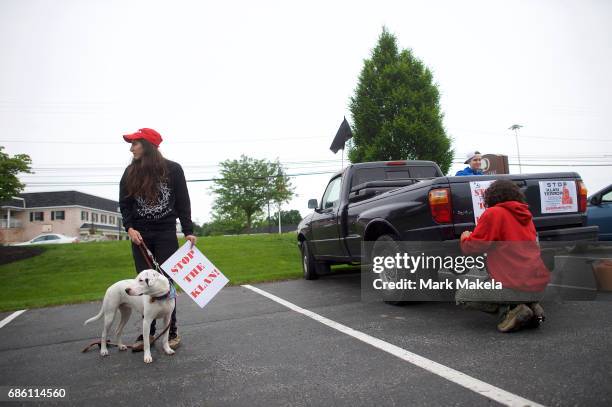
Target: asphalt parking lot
x,y
245,349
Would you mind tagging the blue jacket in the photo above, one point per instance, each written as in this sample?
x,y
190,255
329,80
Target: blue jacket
x,y
468,171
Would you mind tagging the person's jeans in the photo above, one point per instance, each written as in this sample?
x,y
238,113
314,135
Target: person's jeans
x,y
489,300
162,244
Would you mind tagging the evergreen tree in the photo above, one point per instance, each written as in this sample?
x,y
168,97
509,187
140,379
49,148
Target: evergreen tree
x,y
396,109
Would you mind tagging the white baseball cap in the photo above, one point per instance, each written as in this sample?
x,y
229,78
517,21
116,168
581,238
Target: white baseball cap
x,y
470,155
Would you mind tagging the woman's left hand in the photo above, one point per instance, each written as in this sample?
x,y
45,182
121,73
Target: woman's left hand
x,y
192,239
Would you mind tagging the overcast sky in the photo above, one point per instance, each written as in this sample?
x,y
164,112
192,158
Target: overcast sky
x,y
273,80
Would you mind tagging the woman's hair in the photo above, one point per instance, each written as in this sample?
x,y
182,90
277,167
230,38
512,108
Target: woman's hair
x,y
502,190
146,173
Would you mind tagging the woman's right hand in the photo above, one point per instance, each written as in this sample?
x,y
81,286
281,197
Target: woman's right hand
x,y
134,236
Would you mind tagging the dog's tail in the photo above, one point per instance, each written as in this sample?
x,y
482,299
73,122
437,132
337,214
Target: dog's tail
x,y
95,318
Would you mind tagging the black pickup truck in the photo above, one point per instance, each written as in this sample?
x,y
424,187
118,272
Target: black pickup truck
x,y
414,201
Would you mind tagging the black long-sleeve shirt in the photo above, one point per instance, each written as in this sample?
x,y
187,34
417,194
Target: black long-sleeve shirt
x,y
172,202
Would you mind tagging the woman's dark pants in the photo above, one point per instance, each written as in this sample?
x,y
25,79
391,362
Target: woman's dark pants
x,y
162,244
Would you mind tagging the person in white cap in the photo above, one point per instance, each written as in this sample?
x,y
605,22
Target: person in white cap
x,y
473,159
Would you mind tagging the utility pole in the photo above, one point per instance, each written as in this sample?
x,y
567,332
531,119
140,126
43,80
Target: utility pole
x,y
118,223
279,219
269,225
281,187
516,127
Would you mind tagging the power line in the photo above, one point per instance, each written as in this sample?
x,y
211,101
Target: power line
x,y
194,168
70,142
105,183
564,165
330,165
310,163
524,136
565,138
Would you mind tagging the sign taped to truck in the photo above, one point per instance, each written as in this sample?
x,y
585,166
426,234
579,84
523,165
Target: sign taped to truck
x,y
477,189
558,196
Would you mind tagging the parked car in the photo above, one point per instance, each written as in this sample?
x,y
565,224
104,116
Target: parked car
x,y
414,201
49,238
599,212
94,238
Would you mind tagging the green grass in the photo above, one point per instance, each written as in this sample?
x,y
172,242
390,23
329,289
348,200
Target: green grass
x,y
72,273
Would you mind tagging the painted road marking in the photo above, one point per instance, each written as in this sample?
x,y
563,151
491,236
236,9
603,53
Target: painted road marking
x,y
11,317
485,389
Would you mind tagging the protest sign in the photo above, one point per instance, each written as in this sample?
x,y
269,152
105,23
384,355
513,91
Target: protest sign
x,y
478,189
195,274
558,196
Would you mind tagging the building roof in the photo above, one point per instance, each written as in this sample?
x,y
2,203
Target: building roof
x,y
62,198
14,202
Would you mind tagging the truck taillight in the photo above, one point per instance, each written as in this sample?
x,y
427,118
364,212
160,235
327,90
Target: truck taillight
x,y
440,205
582,196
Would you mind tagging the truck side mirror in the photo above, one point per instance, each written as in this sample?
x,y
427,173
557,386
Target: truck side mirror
x,y
595,200
313,204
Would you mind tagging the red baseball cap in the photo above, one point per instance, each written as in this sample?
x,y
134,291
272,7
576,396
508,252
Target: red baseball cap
x,y
148,134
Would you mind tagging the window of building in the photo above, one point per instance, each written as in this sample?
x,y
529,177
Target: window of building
x,y
102,218
111,220
94,217
37,216
58,215
84,215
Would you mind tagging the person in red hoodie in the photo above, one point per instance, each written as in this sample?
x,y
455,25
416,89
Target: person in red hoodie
x,y
506,232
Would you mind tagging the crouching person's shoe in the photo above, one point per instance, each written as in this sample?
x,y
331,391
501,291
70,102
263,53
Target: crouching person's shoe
x,y
138,346
538,315
515,319
174,341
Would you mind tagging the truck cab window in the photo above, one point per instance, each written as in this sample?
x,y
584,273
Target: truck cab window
x,y
331,197
423,172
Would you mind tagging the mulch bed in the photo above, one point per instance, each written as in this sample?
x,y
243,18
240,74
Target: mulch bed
x,y
9,254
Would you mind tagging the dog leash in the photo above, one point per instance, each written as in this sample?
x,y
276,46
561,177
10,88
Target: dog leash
x,y
148,256
109,343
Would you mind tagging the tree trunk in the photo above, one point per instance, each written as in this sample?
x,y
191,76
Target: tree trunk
x,y
248,216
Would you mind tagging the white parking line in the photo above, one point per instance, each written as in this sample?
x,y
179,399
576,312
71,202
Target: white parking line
x,y
455,376
11,317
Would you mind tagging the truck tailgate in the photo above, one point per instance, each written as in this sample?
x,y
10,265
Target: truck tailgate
x,y
545,216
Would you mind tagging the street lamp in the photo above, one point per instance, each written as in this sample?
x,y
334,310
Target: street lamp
x,y
516,127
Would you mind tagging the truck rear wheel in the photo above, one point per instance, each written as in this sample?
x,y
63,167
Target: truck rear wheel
x,y
309,266
388,246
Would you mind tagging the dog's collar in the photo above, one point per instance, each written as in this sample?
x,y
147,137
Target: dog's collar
x,y
168,296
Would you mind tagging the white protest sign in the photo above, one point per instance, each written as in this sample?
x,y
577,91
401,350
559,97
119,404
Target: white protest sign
x,y
478,189
557,196
195,274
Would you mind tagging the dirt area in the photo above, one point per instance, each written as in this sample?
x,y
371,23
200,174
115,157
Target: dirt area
x,y
10,254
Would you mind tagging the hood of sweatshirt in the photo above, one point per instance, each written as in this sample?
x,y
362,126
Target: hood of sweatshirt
x,y
518,209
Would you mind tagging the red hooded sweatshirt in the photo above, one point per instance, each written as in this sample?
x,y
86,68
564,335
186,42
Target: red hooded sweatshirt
x,y
507,233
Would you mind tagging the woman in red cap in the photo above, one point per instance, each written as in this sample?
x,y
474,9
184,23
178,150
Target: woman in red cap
x,y
152,194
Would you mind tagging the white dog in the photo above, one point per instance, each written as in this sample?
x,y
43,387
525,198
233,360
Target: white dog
x,y
148,294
